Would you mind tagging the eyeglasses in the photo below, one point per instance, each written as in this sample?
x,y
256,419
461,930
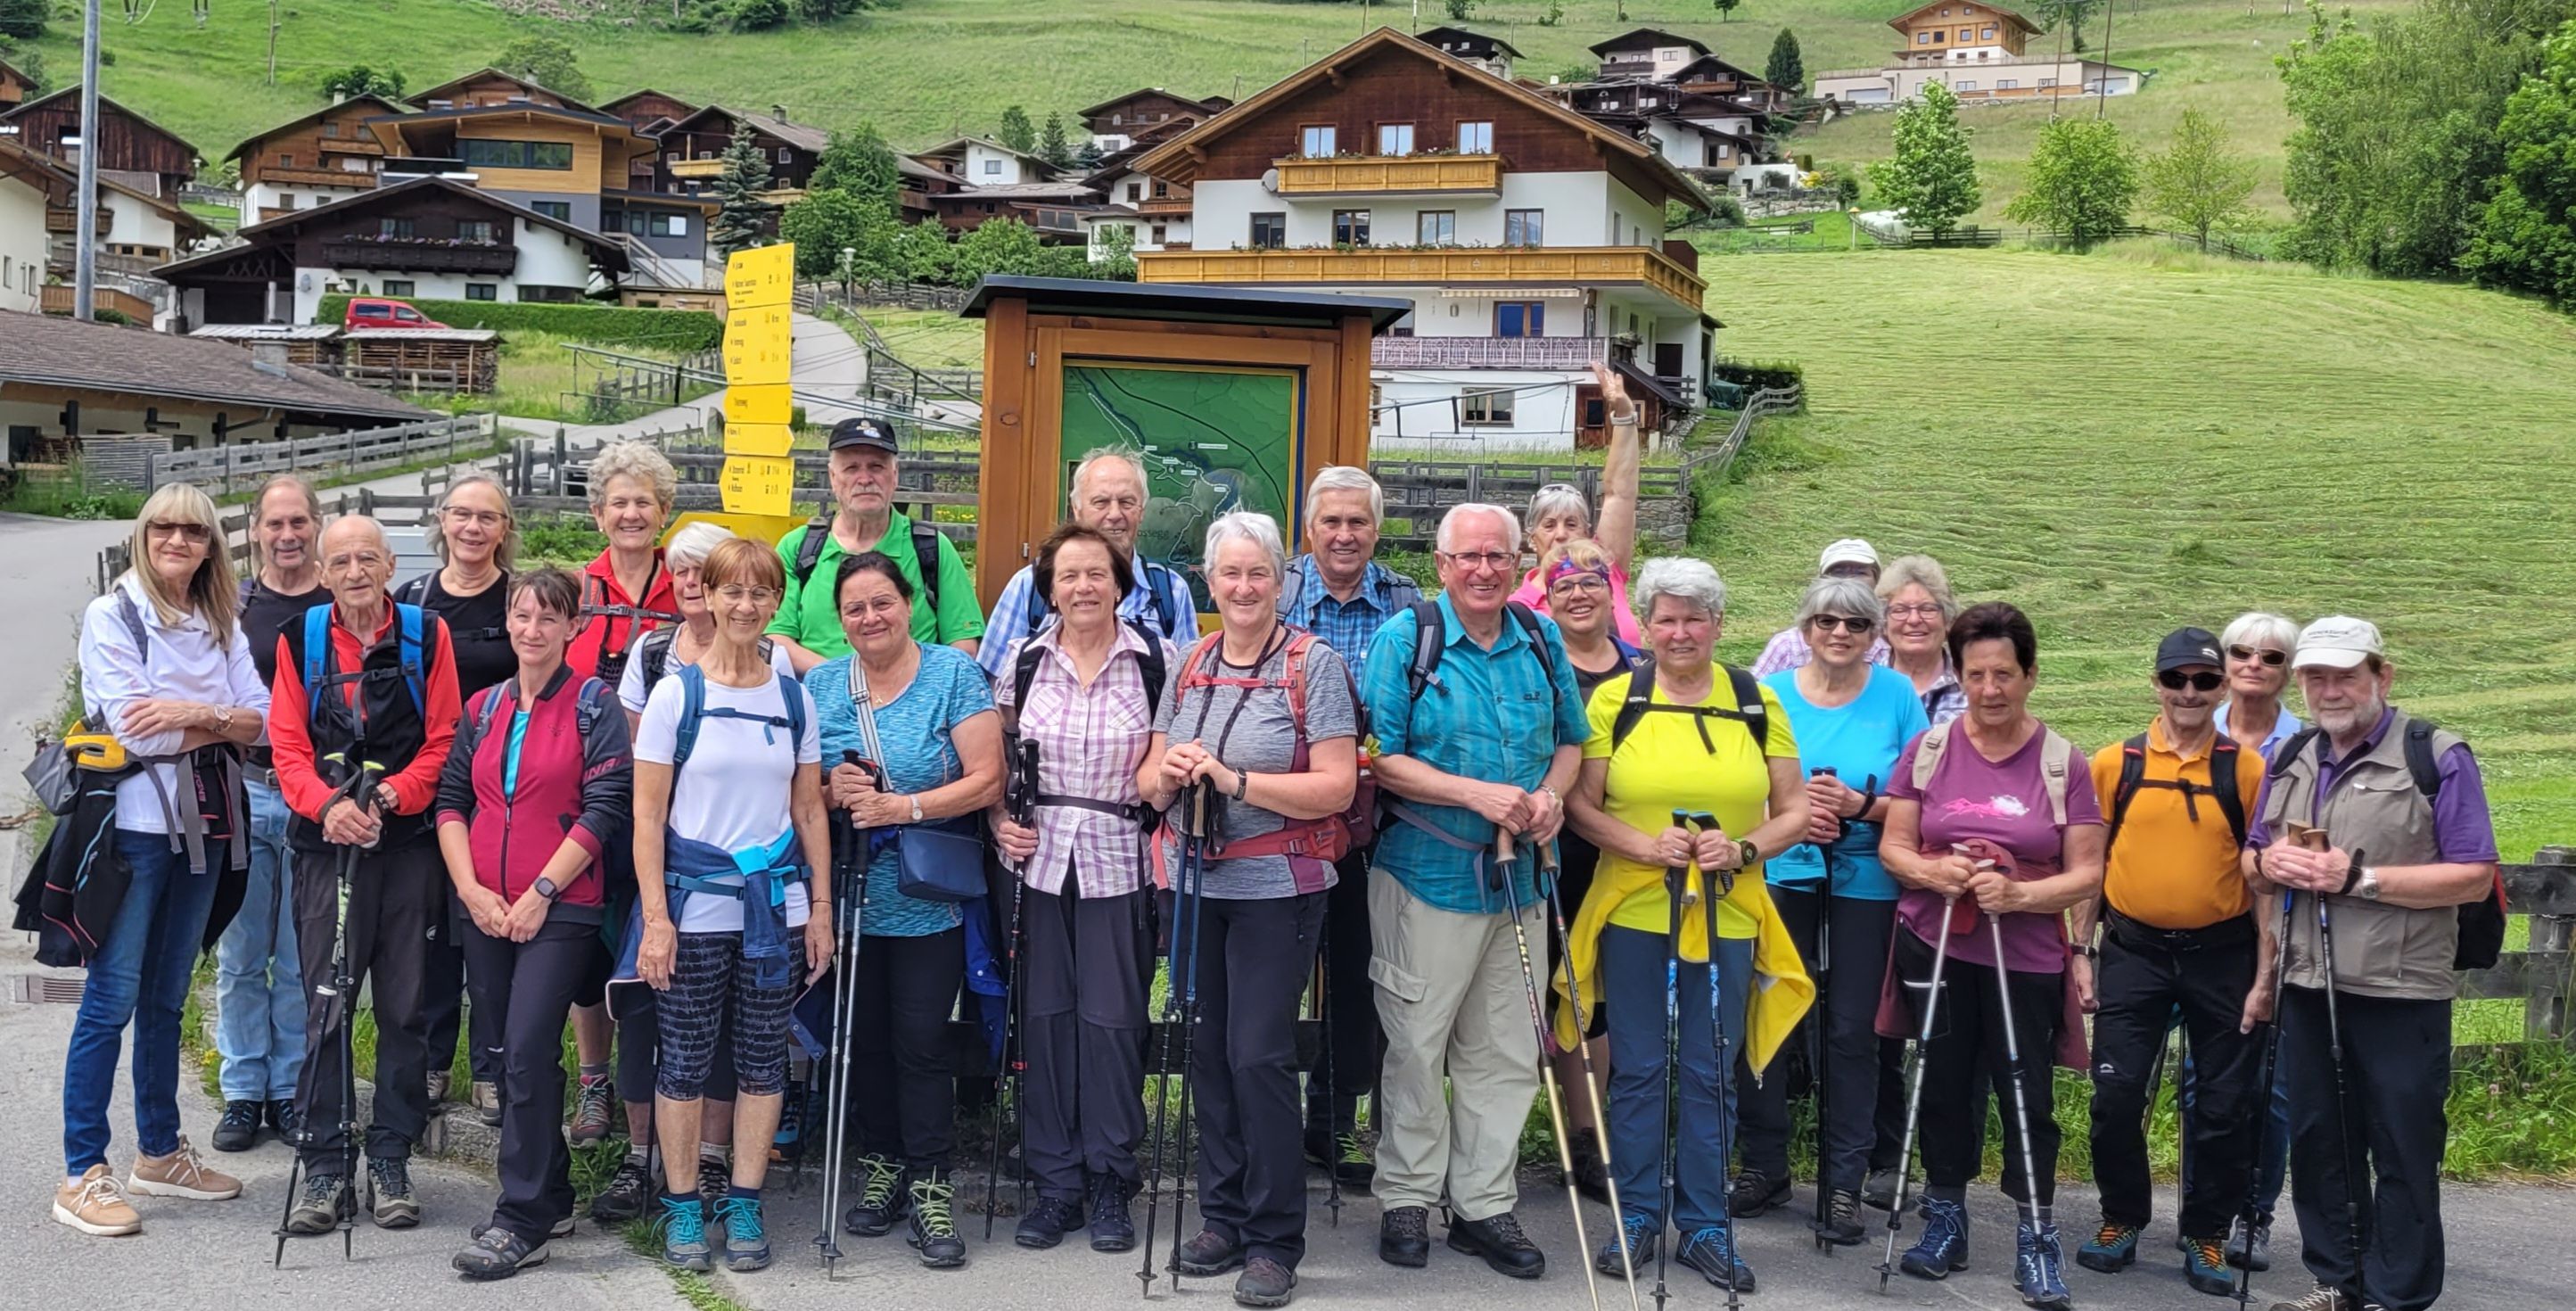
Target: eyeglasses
x,y
2175,680
1926,610
1580,583
736,594
2267,655
196,533
481,518
1852,624
1481,559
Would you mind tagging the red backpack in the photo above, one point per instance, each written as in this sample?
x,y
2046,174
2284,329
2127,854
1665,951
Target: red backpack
x,y
1327,839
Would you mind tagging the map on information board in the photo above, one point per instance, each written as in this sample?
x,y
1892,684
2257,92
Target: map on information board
x,y
1215,440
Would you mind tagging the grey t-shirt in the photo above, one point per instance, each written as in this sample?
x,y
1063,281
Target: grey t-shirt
x,y
1262,739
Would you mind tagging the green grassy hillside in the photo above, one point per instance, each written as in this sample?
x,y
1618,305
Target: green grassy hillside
x,y
2129,441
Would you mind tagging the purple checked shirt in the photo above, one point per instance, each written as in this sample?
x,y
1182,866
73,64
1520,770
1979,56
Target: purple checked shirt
x,y
1091,740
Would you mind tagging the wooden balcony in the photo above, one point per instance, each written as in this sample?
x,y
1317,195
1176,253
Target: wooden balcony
x,y
1382,175
1487,352
1165,205
351,146
317,177
696,168
419,256
1465,266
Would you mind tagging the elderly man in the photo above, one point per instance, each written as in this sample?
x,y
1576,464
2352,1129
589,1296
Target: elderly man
x,y
863,453
1850,557
1476,742
1108,498
2179,935
2377,823
1340,593
363,681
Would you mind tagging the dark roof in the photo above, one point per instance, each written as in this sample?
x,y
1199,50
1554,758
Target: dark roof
x,y
1133,300
424,97
52,352
1650,382
393,110
1646,36
1433,37
105,102
292,219
1115,101
803,136
610,106
1741,72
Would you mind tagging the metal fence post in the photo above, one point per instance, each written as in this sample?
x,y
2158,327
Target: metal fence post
x,y
2544,1015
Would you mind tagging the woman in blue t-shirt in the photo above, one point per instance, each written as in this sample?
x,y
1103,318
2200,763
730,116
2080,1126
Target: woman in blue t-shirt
x,y
1851,719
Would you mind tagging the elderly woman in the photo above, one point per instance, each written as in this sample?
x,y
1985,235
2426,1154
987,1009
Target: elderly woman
x,y
1277,763
1852,718
1083,695
731,860
626,592
542,752
1559,514
941,763
1916,590
1683,733
166,671
1981,819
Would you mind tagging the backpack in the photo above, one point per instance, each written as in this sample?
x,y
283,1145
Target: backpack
x,y
1749,710
1164,616
2482,921
2054,754
596,605
318,654
586,714
655,648
693,710
1429,632
2223,757
1149,664
925,555
1327,839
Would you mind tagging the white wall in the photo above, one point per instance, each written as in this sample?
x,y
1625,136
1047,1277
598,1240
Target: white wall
x,y
1010,174
1541,419
22,245
269,195
547,258
1577,207
136,224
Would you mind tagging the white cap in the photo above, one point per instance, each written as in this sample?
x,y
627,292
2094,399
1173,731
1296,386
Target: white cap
x,y
1850,550
2337,642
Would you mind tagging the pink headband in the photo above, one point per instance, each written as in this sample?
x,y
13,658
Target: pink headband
x,y
1565,566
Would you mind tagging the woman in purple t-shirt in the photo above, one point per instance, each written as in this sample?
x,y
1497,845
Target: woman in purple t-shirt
x,y
2020,797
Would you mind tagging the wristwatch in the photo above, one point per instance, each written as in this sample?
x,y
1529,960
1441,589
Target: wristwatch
x,y
915,799
546,888
2367,886
223,719
2088,951
1747,855
1242,782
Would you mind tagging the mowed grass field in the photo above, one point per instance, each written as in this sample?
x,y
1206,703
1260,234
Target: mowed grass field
x,y
2124,442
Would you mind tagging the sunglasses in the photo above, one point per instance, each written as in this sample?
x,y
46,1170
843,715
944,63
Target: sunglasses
x,y
2175,680
1854,624
2275,659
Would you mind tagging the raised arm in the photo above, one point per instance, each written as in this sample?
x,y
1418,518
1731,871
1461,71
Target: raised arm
x,y
1615,525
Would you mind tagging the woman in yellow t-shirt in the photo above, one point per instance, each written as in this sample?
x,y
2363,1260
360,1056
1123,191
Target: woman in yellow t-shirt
x,y
1687,744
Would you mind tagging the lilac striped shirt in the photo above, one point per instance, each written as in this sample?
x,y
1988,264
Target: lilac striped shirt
x,y
1091,740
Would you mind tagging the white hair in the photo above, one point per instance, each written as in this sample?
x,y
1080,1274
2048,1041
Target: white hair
x,y
1554,497
636,460
1682,578
1133,459
1347,478
694,542
1919,571
1840,594
2258,628
1511,525
1246,526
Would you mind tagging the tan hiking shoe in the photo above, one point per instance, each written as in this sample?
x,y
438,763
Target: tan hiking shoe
x,y
181,1174
96,1206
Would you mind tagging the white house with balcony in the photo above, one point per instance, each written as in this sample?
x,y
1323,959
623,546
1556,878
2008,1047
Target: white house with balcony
x,y
1979,51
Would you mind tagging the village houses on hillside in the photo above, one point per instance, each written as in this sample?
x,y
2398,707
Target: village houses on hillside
x,y
1981,52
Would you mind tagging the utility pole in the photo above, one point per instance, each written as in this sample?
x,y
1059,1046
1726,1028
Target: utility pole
x,y
2102,100
85,224
273,22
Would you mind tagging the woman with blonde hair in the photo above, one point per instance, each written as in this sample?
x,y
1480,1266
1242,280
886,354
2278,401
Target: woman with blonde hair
x,y
166,671
626,592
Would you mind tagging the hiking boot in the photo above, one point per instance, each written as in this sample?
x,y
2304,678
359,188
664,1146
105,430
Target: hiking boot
x,y
934,1222
1756,1193
1047,1222
684,1234
559,1229
496,1254
2252,1252
1879,1190
281,1118
1208,1254
1264,1282
486,1097
238,1131
1591,1173
1112,1228
2205,1267
1944,1244
318,1210
2320,1298
627,1192
594,1109
1404,1236
2039,1268
391,1202
1643,1233
1841,1224
1344,1153
181,1174
715,1182
2112,1249
96,1205
1500,1241
1711,1252
746,1242
881,1199
439,1081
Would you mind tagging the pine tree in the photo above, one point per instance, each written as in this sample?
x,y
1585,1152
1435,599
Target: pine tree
x,y
742,217
1931,179
1787,69
1052,147
1016,132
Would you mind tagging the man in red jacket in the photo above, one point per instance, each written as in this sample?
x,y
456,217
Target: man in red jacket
x,y
363,681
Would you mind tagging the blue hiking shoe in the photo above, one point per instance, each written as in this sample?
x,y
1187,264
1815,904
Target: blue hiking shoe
x,y
2112,1249
1711,1252
2039,1269
1642,1233
1944,1245
2206,1269
746,1242
684,1234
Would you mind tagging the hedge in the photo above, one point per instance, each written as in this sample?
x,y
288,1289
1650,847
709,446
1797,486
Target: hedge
x,y
605,325
1756,374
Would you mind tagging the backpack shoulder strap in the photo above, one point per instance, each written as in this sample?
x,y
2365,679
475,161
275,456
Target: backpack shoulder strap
x,y
1033,615
1633,707
1529,623
1024,674
595,696
2224,759
2055,755
410,622
925,557
491,706
2421,760
787,689
1150,666
317,650
1927,755
2133,771
809,548
134,625
1293,670
653,652
2297,743
1164,616
693,707
1749,705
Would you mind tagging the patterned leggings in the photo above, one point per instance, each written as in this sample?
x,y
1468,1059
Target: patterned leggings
x,y
711,989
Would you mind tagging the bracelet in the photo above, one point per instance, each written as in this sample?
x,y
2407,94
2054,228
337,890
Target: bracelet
x,y
1242,782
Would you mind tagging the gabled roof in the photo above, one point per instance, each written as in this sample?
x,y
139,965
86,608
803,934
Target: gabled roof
x,y
1433,36
52,352
1114,101
292,219
390,107
1645,37
1172,158
19,73
957,149
1999,11
611,106
578,114
803,136
36,168
1713,62
423,98
105,103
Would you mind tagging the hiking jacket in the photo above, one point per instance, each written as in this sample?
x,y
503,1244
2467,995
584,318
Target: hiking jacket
x,y
575,780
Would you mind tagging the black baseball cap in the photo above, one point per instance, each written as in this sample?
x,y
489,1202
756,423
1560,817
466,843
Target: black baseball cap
x,y
862,432
2188,646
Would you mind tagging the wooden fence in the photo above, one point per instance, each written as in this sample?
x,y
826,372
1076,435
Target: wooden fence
x,y
235,524
881,294
1718,456
241,466
1989,236
2542,976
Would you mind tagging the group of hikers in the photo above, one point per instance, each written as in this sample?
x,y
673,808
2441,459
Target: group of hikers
x,y
762,821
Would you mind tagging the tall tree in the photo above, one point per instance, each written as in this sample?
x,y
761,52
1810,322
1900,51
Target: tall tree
x,y
547,61
2527,236
827,222
742,216
1726,9
2200,182
1016,132
1787,68
1052,147
24,19
1459,11
2082,181
362,80
2068,16
1930,178
860,163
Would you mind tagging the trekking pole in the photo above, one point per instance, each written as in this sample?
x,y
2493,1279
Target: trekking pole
x,y
1021,801
850,856
1177,960
1324,1003
1914,1088
1194,867
1819,1081
1547,1077
2343,1090
1724,887
339,996
1676,891
1592,1086
2012,1056
2270,1069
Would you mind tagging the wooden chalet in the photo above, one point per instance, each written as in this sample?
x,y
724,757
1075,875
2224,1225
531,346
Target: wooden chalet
x,y
133,149
649,110
1488,52
488,87
1646,52
313,159
1118,122
15,87
688,155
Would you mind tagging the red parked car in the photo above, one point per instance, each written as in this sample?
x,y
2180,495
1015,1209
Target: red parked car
x,y
378,312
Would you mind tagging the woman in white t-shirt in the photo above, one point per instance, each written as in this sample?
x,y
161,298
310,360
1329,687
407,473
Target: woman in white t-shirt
x,y
733,876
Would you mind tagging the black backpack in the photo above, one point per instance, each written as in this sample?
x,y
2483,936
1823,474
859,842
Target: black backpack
x,y
1150,665
2223,756
1429,638
1749,710
925,555
1164,616
2482,921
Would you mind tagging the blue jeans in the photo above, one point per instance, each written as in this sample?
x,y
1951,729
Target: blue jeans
x,y
141,974
259,985
1632,981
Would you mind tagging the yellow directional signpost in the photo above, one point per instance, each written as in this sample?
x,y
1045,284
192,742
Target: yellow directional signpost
x,y
759,478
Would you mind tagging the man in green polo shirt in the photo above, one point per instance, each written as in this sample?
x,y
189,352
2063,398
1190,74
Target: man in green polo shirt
x,y
862,455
